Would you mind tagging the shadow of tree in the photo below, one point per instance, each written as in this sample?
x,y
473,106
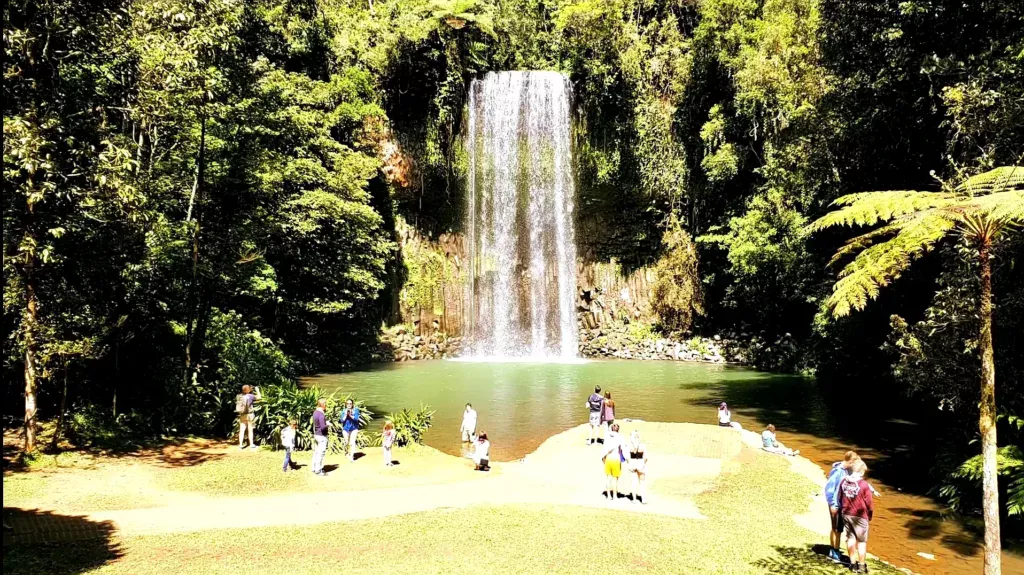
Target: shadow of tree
x,y
45,542
811,560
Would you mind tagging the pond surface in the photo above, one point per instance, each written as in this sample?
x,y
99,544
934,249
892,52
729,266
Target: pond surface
x,y
522,404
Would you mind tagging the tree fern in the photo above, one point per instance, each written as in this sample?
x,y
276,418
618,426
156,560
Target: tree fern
x,y
980,208
914,222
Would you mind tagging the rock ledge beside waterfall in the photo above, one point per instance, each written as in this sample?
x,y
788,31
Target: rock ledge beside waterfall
x,y
400,343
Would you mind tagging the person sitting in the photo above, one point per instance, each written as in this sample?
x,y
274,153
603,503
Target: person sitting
x,y
724,415
772,445
482,453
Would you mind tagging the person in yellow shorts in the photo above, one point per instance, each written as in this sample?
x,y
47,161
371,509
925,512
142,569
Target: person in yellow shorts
x,y
612,462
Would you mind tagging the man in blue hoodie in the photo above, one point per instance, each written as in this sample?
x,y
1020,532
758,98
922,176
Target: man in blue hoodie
x,y
839,471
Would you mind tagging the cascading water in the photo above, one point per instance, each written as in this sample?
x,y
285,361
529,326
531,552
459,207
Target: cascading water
x,y
522,245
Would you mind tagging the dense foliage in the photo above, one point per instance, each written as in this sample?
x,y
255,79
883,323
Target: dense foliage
x,y
203,194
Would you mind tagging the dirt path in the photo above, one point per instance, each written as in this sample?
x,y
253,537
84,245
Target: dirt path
x,y
562,471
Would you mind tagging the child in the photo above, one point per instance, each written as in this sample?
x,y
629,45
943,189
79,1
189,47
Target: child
x,y
288,442
612,459
482,457
857,508
387,439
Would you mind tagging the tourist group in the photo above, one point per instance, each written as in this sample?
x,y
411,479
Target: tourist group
x,y
849,496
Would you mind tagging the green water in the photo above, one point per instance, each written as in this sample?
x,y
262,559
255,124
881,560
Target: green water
x,y
521,404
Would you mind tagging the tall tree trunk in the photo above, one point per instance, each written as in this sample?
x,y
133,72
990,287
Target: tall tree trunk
x,y
987,421
63,410
197,198
31,351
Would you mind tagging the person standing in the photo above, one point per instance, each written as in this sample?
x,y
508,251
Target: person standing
x,y
595,403
840,470
638,466
613,459
288,442
245,407
350,427
320,427
387,439
607,412
857,508
468,429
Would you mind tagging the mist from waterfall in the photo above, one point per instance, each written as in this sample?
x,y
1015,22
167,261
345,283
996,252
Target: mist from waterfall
x,y
521,296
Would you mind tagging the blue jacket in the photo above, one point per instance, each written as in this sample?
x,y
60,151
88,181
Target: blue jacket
x,y
350,424
835,477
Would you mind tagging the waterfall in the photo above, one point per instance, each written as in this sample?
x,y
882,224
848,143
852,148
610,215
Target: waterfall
x,y
521,295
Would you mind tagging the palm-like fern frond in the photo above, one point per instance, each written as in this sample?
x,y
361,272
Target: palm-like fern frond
x,y
870,208
878,265
1001,178
980,207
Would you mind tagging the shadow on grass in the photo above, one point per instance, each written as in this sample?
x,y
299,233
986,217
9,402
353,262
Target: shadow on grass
x,y
48,543
810,560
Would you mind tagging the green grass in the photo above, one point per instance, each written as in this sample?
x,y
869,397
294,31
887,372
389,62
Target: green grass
x,y
81,483
749,531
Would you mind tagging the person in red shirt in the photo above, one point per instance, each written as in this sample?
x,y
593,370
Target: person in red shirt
x,y
856,507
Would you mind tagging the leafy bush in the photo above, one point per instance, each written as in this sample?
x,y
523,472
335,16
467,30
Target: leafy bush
x,y
92,426
639,331
240,356
281,403
676,295
410,426
962,488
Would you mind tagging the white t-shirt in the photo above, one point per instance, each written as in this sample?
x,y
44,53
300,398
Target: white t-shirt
x,y
469,420
724,416
483,449
767,438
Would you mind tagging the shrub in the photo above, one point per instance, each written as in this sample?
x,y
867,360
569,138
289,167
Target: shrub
x,y
281,403
676,295
92,426
410,426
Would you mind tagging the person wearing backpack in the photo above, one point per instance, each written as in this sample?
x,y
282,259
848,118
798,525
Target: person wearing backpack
x,y
857,508
245,404
595,403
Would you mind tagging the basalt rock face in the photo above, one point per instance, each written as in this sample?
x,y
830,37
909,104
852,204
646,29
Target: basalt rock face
x,y
618,341
399,344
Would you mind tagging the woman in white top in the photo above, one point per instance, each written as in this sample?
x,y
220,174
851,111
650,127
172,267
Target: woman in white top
x,y
724,416
637,459
482,454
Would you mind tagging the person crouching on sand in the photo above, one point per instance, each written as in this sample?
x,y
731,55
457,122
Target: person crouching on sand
x,y
482,453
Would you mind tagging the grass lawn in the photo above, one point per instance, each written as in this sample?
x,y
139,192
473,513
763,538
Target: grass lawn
x,y
77,483
750,529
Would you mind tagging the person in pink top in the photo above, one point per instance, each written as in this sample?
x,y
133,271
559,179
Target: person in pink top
x,y
856,507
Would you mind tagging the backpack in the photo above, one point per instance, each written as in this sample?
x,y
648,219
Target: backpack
x,y
241,404
595,402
